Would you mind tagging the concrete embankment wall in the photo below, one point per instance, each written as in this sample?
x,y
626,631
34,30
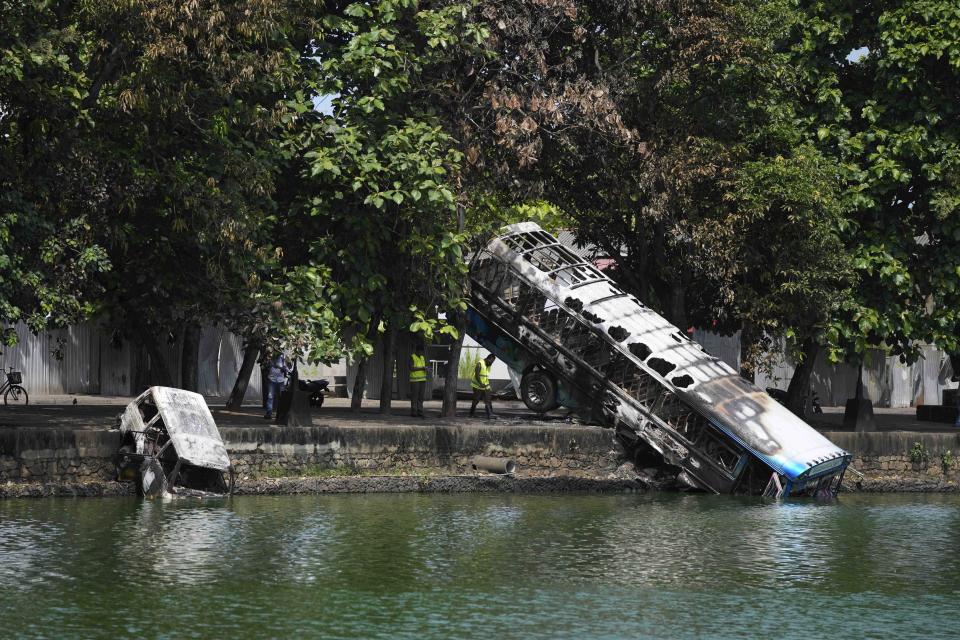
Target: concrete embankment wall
x,y
81,461
901,460
42,456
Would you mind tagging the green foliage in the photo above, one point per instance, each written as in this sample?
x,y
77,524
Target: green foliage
x,y
427,327
50,256
146,138
796,280
919,454
488,213
163,163
893,125
715,211
946,461
380,171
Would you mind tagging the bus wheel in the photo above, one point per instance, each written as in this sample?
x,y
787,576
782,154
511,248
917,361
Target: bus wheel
x,y
539,391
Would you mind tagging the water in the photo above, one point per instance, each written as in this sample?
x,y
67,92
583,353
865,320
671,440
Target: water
x,y
465,566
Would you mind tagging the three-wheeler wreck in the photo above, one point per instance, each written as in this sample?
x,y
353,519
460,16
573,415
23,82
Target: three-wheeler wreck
x,y
170,445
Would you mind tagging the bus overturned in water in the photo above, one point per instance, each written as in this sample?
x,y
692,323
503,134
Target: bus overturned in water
x,y
578,340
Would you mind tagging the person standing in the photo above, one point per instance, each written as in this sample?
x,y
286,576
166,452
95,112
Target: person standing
x,y
277,372
418,380
480,383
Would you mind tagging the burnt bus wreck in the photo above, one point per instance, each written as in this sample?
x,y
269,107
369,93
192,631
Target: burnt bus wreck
x,y
580,341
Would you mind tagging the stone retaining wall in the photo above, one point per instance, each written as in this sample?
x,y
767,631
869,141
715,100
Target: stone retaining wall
x,y
65,456
893,461
477,483
538,450
57,455
78,462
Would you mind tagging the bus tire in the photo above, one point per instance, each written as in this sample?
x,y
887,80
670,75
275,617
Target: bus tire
x,y
539,391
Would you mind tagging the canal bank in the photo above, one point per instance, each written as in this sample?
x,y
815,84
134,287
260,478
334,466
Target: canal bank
x,y
68,450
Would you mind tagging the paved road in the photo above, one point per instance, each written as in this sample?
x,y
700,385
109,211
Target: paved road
x,y
97,412
899,419
100,412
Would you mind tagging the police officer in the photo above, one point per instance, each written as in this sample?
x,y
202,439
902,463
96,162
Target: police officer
x,y
418,380
480,383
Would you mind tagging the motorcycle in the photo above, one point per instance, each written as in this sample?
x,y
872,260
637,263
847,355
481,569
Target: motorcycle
x,y
317,390
781,396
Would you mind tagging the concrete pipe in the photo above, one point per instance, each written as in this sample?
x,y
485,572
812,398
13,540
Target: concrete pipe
x,y
494,465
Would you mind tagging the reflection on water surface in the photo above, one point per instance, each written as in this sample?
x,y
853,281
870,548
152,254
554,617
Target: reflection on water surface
x,y
468,565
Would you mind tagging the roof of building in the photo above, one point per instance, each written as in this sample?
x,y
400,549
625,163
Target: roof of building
x,y
569,239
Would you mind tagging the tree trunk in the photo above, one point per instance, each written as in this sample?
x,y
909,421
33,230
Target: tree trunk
x,y
358,384
294,411
799,389
264,388
748,368
190,357
452,374
361,381
250,353
449,407
159,371
678,306
386,378
858,413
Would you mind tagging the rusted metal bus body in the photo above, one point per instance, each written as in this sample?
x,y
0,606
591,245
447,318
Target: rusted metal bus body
x,y
577,339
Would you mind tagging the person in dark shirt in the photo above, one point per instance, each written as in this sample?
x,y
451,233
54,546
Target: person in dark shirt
x,y
277,372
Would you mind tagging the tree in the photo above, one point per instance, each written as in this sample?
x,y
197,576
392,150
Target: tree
x,y
190,103
380,206
50,257
150,133
891,71
794,274
715,211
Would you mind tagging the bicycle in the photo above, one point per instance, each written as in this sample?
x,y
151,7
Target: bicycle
x,y
13,393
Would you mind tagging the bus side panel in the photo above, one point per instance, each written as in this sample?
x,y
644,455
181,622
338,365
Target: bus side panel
x,y
499,338
498,341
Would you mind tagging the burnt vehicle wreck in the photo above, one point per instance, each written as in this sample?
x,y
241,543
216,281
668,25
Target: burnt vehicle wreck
x,y
578,340
170,444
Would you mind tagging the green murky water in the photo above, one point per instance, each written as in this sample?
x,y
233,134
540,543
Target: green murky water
x,y
469,566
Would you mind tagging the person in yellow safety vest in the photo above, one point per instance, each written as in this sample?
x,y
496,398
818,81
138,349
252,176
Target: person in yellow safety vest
x,y
480,383
418,380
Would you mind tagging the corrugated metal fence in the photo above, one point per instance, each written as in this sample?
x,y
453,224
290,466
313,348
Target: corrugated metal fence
x,y
91,362
887,381
85,359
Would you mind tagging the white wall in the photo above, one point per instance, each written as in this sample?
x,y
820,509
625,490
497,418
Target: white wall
x,y
887,381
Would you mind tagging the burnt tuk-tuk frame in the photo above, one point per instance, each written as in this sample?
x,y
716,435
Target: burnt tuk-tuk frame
x,y
170,443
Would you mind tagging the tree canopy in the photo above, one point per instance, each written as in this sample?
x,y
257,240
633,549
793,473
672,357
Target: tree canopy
x,y
786,169
890,73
